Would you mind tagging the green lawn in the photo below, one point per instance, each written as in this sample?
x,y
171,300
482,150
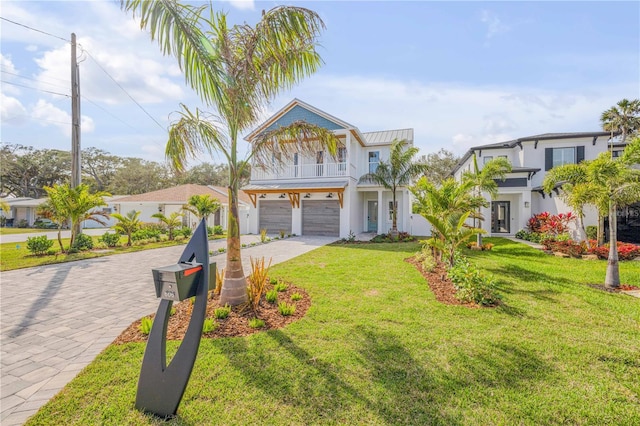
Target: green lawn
x,y
11,231
376,348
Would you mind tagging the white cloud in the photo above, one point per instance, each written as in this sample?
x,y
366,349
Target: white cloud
x,y
243,4
7,64
494,25
48,114
454,116
31,48
12,112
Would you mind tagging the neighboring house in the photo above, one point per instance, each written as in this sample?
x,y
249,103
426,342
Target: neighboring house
x,y
24,211
167,201
320,195
520,196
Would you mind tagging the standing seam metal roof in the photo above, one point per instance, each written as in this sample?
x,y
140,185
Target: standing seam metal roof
x,y
387,136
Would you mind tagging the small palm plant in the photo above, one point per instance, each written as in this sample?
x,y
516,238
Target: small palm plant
x,y
173,221
127,224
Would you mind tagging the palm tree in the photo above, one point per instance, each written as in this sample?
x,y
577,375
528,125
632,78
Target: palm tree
x,y
202,205
484,180
127,224
173,221
399,171
236,70
452,231
608,183
75,204
623,118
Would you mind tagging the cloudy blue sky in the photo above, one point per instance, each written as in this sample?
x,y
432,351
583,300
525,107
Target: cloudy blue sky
x,y
459,73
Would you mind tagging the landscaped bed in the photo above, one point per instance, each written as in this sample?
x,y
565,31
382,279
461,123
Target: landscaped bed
x,y
376,347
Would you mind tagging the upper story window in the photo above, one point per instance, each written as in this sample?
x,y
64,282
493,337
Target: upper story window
x,y
617,153
374,160
342,155
486,159
319,157
555,157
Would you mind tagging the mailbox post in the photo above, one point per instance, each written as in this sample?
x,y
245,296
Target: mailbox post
x,y
161,386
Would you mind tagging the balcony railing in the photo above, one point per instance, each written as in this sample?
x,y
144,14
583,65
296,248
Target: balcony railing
x,y
303,171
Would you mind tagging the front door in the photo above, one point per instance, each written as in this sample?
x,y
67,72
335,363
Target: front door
x,y
500,217
372,216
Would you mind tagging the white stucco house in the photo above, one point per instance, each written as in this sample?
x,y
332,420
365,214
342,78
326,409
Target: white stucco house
x,y
320,195
520,196
170,200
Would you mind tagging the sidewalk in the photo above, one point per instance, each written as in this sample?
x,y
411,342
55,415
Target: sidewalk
x,y
51,234
55,319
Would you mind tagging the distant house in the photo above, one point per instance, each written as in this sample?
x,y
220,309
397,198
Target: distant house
x,y
521,195
167,201
320,195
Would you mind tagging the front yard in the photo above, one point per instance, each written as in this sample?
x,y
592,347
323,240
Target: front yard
x,y
376,347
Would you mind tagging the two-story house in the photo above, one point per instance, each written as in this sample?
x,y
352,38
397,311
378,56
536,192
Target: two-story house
x,y
322,195
520,196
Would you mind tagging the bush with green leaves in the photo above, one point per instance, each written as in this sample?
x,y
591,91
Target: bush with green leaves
x,y
280,286
271,296
217,230
185,232
39,245
472,285
256,323
146,234
592,232
83,242
111,240
145,325
222,312
286,309
296,296
209,325
426,259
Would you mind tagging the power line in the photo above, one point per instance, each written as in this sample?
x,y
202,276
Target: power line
x,y
35,88
114,116
33,79
34,29
122,88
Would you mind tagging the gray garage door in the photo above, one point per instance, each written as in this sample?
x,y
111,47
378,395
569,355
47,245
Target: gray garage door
x,y
275,216
321,217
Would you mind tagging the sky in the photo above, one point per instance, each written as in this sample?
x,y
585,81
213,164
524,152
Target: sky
x,y
460,74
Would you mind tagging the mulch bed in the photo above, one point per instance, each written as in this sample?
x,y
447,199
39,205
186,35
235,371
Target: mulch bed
x,y
440,285
623,287
236,324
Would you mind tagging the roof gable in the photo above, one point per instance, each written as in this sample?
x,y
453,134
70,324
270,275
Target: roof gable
x,y
296,110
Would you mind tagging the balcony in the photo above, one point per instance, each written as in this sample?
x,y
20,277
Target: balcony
x,y
304,171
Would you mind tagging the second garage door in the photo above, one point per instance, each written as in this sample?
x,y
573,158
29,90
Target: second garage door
x,y
275,216
321,217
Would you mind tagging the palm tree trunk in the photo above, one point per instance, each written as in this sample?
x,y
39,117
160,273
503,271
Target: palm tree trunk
x,y
600,229
234,286
394,215
60,238
612,278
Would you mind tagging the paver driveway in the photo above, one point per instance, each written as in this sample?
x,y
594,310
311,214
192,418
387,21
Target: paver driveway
x,y
55,319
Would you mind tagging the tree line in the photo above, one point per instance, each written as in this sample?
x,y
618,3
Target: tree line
x,y
25,171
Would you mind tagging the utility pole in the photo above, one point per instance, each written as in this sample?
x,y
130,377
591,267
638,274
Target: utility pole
x,y
75,122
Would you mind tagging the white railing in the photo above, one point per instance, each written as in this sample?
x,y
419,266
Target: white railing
x,y
301,171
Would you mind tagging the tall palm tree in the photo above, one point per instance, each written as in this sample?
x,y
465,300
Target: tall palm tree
x,y
484,180
608,183
75,204
623,118
237,71
399,170
202,205
172,221
127,224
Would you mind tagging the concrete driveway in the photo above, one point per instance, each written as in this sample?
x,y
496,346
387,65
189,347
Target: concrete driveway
x,y
55,319
51,234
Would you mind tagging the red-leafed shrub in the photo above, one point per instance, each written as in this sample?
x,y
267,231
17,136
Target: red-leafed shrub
x,y
626,251
570,247
550,224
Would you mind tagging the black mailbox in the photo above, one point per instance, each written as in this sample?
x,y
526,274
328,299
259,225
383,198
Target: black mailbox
x,y
180,281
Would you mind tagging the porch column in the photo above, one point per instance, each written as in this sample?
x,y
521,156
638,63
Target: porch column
x,y
380,216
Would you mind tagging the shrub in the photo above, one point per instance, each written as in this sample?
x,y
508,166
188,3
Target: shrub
x,y
146,234
286,309
426,259
222,250
592,232
263,235
22,223
472,285
179,238
257,281
296,297
281,233
145,325
550,224
487,246
83,242
271,296
280,286
111,240
570,247
256,323
218,230
209,325
626,251
184,232
273,281
222,312
39,245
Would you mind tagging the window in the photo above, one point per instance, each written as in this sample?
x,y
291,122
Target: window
x,y
503,156
558,156
342,160
295,164
616,153
486,159
319,162
374,160
391,209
